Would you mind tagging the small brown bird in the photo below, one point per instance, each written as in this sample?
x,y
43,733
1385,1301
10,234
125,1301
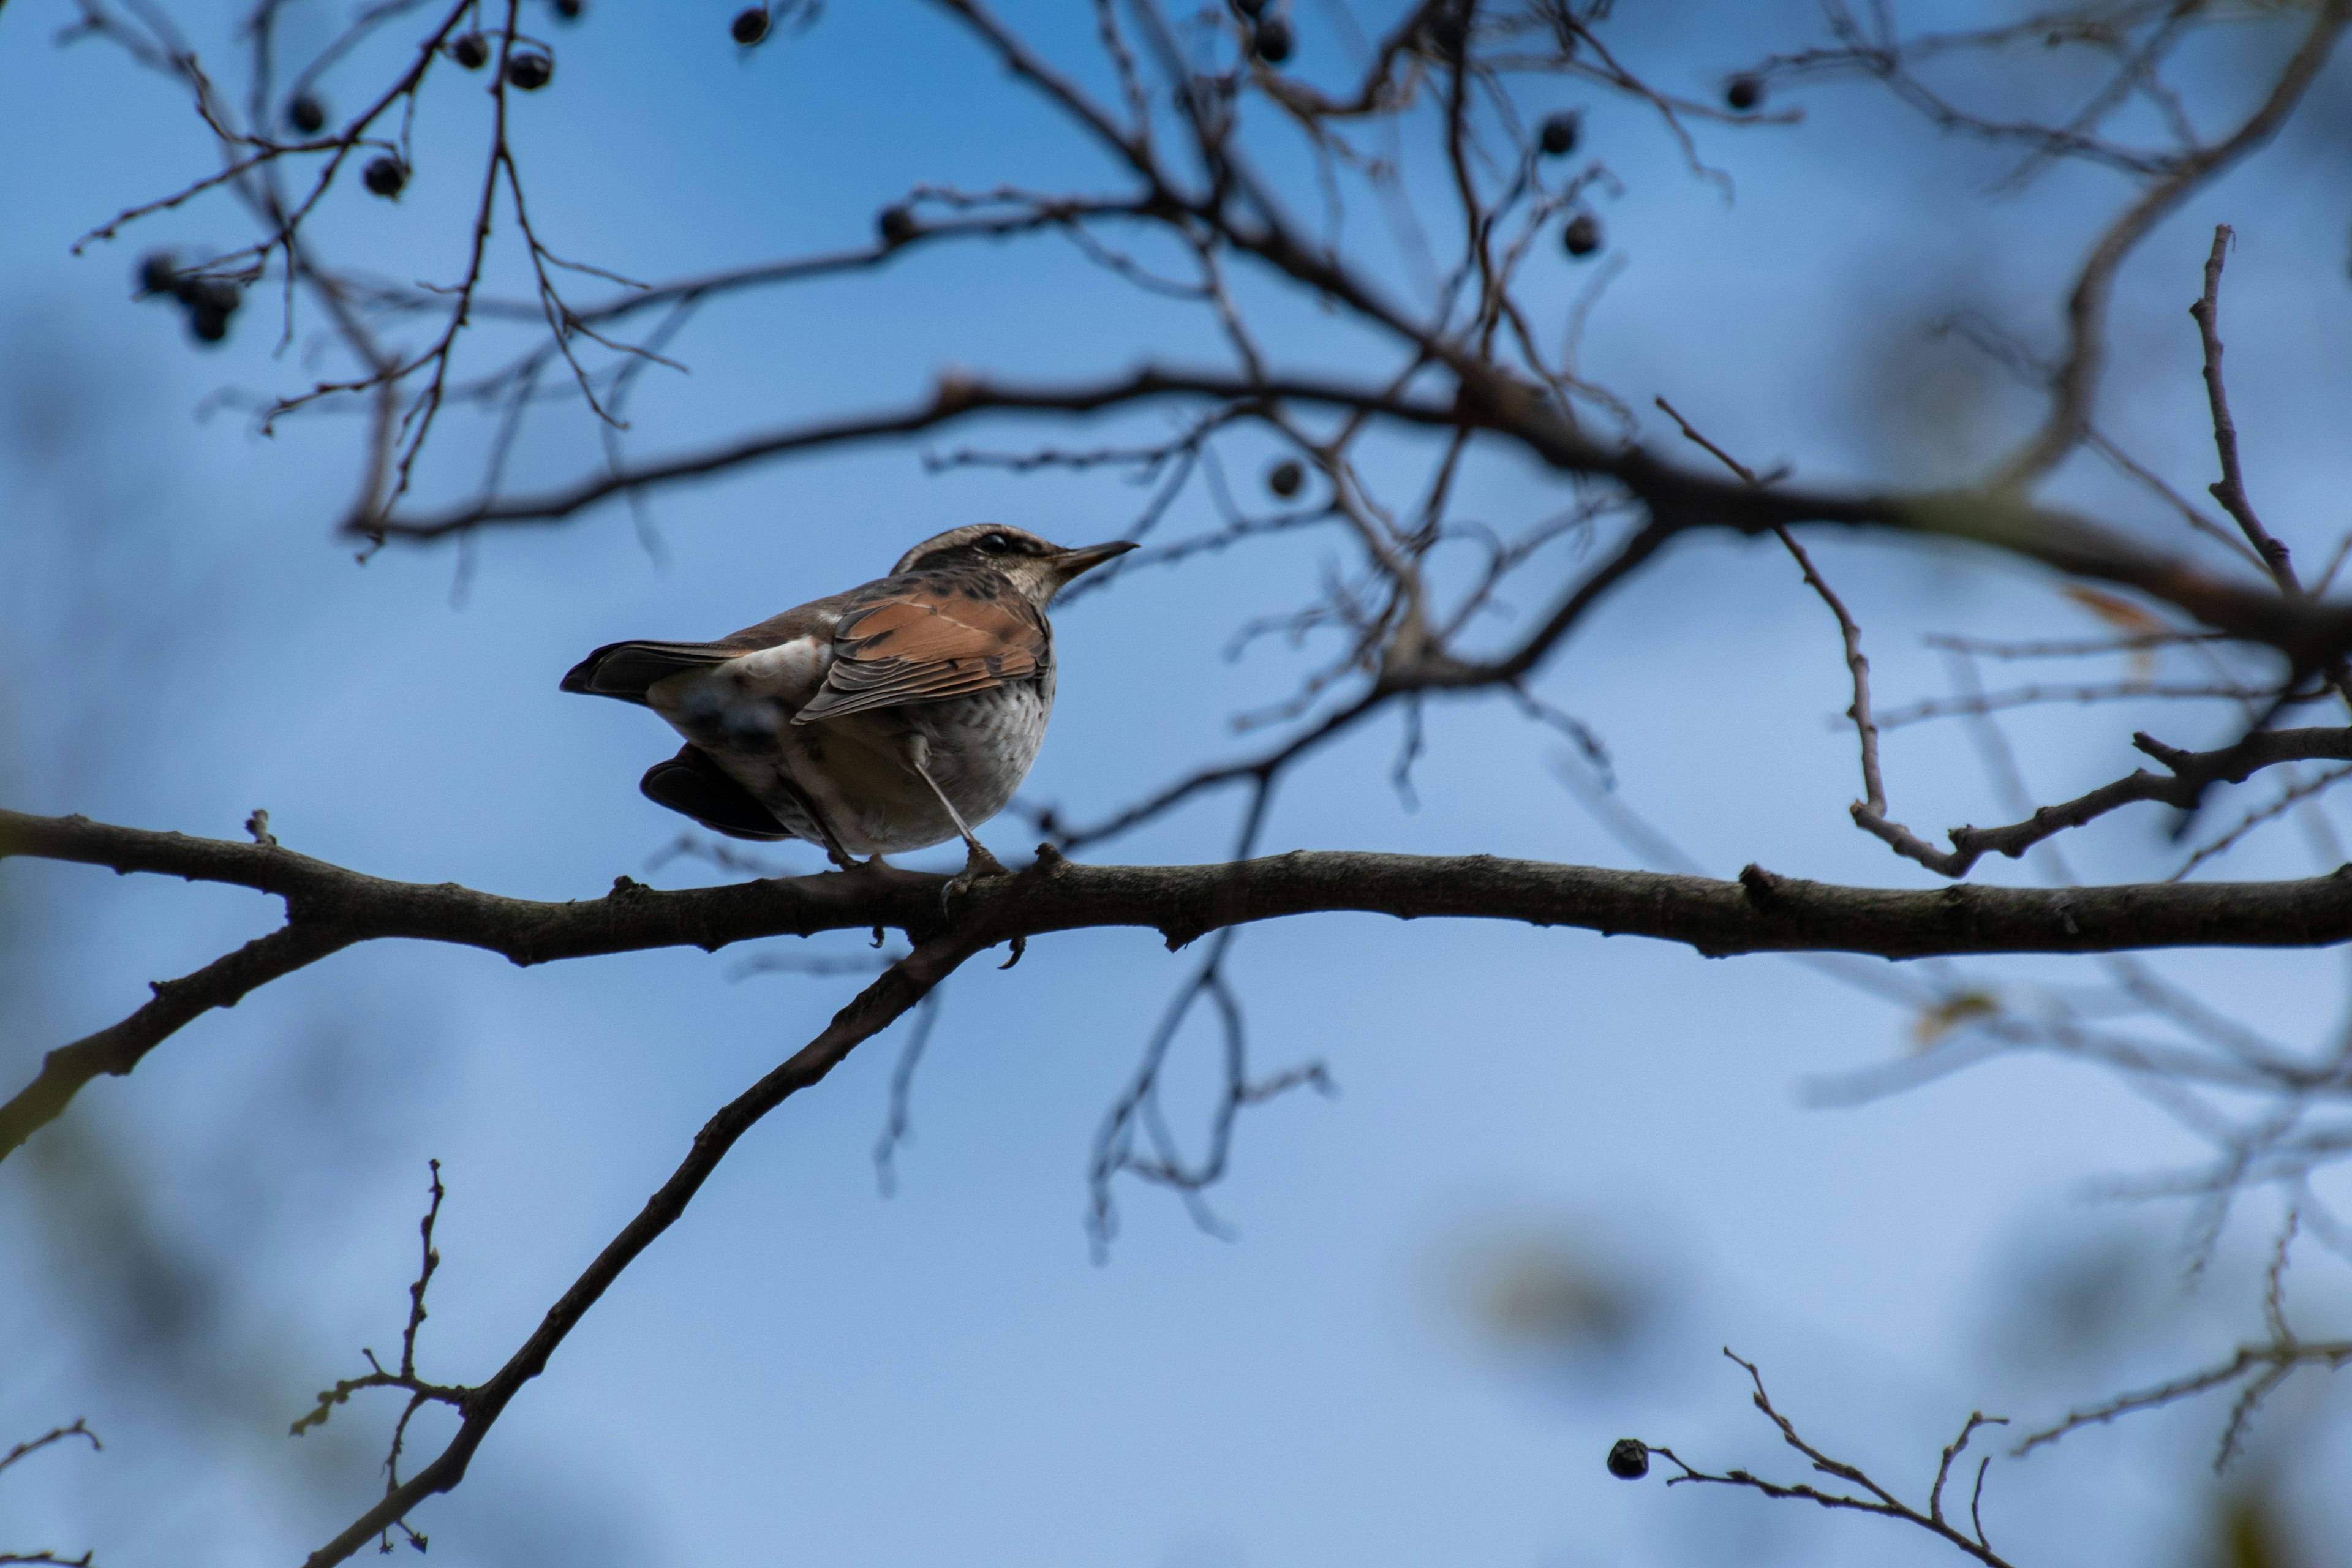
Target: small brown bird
x,y
894,716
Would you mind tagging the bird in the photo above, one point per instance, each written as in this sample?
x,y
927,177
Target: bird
x,y
897,715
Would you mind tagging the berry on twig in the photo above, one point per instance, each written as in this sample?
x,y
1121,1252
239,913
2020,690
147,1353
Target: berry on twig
x,y
1629,1459
385,176
1744,93
1560,133
1581,238
306,113
1272,40
530,69
470,50
749,26
1286,478
211,302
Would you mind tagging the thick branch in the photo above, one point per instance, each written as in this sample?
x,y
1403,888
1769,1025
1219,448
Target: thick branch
x,y
330,907
1677,498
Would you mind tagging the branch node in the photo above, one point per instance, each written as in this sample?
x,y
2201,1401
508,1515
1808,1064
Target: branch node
x,y
1764,888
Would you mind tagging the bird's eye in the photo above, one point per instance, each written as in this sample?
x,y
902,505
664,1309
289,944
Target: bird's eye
x,y
994,544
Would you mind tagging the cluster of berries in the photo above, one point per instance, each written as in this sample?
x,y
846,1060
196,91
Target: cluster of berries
x,y
1558,137
386,175
528,67
1561,133
209,302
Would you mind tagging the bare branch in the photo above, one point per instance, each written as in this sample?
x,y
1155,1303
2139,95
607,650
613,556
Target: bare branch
x,y
34,1446
2230,490
2271,1361
1630,1460
873,1010
2077,380
330,908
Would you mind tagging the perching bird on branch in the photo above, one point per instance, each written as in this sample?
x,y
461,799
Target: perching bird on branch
x,y
896,715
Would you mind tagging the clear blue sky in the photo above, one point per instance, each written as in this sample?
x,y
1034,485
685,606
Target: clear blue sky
x,y
803,1372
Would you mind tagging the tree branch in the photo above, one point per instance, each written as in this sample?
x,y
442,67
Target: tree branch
x,y
873,1010
328,908
1632,1455
2230,490
2183,787
2077,381
1677,498
224,983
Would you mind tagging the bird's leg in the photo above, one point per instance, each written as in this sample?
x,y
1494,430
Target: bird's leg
x,y
842,858
978,862
833,849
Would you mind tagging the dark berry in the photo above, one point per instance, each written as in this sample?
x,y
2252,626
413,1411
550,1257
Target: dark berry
x,y
211,302
1629,1459
1582,235
897,224
749,26
567,10
1446,34
1286,478
1253,9
1560,131
471,50
1745,92
530,69
217,294
1272,40
157,275
385,175
306,114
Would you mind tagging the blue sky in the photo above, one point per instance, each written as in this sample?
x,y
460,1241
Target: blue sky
x,y
805,1372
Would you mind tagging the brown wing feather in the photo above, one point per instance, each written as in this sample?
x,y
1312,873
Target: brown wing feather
x,y
624,669
922,640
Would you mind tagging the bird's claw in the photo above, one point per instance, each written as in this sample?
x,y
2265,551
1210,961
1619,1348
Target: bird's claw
x,y
978,863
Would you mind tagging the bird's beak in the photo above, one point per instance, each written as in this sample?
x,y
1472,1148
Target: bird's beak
x,y
1070,562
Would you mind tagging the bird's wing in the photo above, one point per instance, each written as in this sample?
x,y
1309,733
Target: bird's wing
x,y
624,669
920,638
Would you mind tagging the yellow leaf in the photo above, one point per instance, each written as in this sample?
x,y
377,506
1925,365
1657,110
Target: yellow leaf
x,y
1934,1023
2121,613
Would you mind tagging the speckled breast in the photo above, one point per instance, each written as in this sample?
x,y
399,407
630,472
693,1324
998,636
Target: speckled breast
x,y
982,745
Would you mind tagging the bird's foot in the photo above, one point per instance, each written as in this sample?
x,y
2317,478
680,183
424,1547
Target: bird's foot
x,y
978,863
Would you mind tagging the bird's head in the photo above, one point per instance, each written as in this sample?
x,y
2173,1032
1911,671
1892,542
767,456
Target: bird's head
x,y
1036,569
